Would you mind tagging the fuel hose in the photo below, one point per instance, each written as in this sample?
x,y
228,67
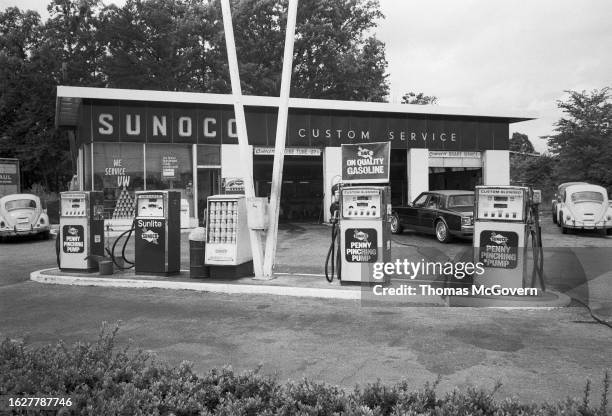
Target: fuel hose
x,y
57,248
111,252
332,261
537,249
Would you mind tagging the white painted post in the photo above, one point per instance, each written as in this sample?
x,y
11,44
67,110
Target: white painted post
x,y
281,136
243,140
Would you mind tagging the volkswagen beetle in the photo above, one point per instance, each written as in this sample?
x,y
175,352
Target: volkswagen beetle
x,y
22,214
586,207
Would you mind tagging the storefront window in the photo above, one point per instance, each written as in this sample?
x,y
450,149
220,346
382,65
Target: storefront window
x,y
118,172
170,166
209,155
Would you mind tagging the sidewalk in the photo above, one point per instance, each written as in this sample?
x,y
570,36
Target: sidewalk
x,y
305,278
308,286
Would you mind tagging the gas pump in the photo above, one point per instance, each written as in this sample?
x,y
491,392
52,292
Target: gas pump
x,y
363,233
81,232
158,232
506,218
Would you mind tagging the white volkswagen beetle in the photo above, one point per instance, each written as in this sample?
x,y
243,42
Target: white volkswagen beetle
x,y
585,207
22,214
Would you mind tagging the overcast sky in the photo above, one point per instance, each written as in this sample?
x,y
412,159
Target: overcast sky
x,y
507,56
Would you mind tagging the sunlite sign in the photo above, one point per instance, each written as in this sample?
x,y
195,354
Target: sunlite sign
x,y
366,162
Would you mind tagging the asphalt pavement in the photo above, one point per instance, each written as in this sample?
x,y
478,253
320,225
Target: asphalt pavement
x,y
536,354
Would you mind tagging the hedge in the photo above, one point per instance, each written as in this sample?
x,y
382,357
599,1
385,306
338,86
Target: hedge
x,y
103,379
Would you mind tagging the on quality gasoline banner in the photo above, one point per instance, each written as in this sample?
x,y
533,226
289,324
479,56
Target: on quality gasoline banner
x,y
366,162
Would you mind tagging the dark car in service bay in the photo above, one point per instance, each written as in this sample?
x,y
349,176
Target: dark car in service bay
x,y
445,214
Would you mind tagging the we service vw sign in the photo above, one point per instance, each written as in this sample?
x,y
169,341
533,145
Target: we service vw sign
x,y
366,162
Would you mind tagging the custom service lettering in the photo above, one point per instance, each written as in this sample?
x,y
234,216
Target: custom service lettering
x,y
365,136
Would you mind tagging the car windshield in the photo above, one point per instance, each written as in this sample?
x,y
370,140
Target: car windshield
x,y
20,204
587,196
460,201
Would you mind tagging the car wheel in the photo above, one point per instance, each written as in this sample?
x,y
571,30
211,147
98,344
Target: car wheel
x,y
396,226
554,217
442,232
563,227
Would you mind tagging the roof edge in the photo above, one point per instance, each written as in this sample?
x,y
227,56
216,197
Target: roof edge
x,y
263,101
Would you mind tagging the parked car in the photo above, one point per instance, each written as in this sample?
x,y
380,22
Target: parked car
x,y
560,188
22,214
442,213
584,206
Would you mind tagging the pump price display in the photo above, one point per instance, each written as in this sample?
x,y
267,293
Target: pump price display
x,y
501,204
361,245
498,249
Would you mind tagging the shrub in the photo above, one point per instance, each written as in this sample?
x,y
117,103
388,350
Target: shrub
x,y
103,379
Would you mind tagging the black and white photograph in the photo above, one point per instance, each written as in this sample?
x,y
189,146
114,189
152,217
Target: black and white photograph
x,y
305,207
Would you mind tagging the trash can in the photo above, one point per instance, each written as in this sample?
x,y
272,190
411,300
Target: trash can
x,y
197,249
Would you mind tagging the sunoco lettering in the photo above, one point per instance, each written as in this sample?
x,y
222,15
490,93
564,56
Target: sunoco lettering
x,y
159,125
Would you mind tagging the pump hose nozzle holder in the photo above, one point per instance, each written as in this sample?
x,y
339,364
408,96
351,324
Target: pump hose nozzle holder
x,y
333,253
538,250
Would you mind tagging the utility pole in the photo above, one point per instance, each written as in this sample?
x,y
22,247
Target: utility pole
x,y
243,140
281,137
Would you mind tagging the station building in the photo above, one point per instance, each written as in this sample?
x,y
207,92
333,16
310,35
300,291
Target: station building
x,y
130,140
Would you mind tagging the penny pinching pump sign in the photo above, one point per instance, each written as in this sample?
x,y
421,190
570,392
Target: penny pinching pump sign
x,y
366,162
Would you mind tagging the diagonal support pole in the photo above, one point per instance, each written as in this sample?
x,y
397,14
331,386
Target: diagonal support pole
x,y
281,137
243,140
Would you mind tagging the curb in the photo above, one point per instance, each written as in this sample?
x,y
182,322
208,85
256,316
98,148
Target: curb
x,y
39,276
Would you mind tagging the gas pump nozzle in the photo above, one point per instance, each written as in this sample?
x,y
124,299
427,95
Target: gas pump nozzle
x,y
332,253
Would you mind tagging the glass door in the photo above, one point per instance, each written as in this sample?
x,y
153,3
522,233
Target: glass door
x,y
209,183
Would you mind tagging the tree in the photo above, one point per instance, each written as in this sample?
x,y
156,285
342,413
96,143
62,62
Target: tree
x,y
520,143
529,168
419,98
159,44
334,59
180,45
27,104
583,143
173,45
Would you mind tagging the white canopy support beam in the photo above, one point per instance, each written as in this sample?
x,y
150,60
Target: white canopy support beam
x,y
243,140
281,137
